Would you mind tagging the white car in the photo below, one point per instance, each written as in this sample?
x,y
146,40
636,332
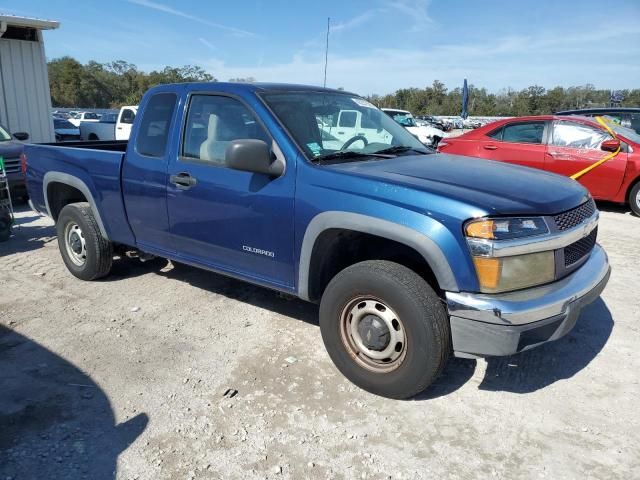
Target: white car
x,y
78,117
112,126
427,134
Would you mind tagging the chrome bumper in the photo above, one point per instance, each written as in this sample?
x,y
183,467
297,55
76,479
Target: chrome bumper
x,y
503,324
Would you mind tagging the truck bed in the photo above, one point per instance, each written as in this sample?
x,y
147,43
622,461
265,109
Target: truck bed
x,y
96,165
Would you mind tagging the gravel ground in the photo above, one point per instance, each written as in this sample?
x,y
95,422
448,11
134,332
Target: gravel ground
x,y
135,377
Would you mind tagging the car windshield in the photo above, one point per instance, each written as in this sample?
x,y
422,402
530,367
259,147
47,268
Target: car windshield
x,y
627,133
330,124
62,123
4,135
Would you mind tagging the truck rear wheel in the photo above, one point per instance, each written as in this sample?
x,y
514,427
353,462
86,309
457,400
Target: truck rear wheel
x,y
385,328
86,253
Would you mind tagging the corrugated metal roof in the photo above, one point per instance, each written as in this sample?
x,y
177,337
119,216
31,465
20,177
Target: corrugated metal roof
x,y
29,22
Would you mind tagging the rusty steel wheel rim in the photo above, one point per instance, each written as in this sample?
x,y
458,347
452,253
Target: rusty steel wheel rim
x,y
373,334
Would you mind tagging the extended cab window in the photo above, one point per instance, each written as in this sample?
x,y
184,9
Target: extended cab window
x,y
577,135
522,132
215,121
154,126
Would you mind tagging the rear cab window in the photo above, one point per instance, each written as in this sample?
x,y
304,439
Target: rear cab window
x,y
154,128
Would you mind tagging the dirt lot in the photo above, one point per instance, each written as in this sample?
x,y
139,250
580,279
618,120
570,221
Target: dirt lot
x,y
126,378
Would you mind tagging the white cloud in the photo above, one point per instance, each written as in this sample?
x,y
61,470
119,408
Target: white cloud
x,y
417,10
548,59
178,13
207,43
353,22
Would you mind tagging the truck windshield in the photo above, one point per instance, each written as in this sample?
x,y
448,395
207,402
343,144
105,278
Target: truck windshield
x,y
325,124
4,135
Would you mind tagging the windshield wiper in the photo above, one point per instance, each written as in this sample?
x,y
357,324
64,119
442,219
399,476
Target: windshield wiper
x,y
403,149
348,155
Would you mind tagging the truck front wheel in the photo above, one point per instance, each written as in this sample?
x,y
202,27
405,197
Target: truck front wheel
x,y
86,253
385,328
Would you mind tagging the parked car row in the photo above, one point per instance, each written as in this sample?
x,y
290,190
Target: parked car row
x,y
111,126
91,126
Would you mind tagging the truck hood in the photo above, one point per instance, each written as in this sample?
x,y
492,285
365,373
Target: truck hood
x,y
11,149
495,187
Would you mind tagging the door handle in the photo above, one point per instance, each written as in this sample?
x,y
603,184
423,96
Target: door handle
x,y
340,133
119,128
489,147
183,181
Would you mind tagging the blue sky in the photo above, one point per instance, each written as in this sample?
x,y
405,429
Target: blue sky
x,y
376,46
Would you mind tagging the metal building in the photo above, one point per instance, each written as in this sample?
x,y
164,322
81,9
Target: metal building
x,y
25,98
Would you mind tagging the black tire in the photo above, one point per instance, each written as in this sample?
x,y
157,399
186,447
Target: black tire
x,y
423,318
98,250
5,226
634,199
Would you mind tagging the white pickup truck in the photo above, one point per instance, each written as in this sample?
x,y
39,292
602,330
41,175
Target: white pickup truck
x,y
351,127
428,135
112,126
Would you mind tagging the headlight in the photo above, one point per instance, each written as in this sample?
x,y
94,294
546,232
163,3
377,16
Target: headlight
x,y
499,273
506,228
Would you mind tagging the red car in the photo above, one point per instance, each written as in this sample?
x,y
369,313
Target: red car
x,y
564,145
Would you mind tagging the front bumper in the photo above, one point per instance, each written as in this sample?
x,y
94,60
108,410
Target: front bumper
x,y
503,324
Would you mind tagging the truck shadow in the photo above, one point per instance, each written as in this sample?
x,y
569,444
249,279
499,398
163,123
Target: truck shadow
x,y
243,292
555,361
55,422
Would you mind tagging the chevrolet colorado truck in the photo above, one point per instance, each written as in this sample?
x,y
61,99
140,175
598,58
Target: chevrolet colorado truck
x,y
413,256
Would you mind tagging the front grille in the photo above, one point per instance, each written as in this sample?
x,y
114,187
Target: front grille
x,y
577,250
12,165
572,218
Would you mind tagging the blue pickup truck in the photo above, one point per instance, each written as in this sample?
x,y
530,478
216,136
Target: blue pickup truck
x,y
413,256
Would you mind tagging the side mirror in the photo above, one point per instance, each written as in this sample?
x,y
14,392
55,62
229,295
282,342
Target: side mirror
x,y
610,145
22,136
251,155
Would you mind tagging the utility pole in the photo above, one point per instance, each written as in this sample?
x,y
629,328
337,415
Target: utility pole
x,y
326,53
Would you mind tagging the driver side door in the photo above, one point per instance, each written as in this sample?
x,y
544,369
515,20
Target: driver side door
x,y
229,220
